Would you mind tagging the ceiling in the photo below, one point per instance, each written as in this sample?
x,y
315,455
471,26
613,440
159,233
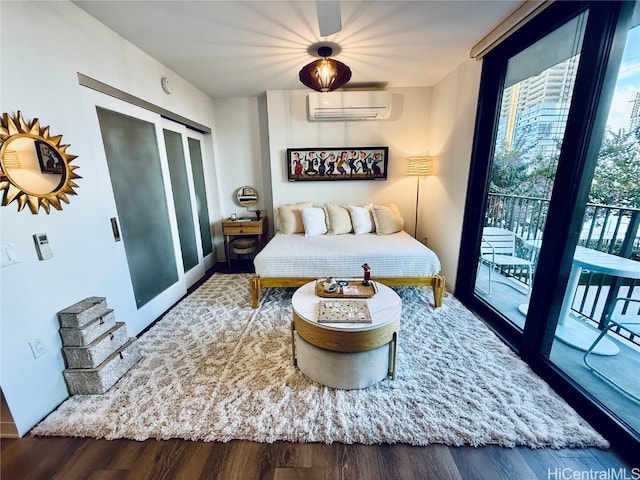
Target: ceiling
x,y
244,48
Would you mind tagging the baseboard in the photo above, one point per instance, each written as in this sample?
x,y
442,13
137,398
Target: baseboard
x,y
7,427
8,430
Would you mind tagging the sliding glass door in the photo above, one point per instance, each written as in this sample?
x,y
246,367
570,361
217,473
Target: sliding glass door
x,y
604,283
550,235
533,112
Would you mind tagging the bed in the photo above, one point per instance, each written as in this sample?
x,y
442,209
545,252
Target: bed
x,y
302,251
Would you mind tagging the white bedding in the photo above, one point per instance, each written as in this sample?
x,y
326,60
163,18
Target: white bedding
x,y
395,255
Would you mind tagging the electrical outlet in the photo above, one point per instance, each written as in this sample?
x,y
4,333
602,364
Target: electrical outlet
x,y
38,347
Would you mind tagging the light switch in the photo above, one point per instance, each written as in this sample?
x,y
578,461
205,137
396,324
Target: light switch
x,y
9,255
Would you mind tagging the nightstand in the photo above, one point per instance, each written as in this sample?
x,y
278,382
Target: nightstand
x,y
243,228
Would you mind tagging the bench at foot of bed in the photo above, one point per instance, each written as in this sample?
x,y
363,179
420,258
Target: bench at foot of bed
x,y
436,282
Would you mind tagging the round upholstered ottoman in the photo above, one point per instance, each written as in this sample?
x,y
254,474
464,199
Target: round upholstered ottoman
x,y
346,355
343,370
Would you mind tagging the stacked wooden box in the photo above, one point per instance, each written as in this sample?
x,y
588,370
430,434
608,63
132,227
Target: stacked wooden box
x,y
96,347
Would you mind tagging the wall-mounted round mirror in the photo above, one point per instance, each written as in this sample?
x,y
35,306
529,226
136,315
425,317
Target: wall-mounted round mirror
x,y
34,166
247,196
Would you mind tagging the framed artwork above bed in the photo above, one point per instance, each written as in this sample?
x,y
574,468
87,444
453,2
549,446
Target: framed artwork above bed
x,y
337,163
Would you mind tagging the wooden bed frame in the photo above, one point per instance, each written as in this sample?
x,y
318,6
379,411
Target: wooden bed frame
x,y
437,282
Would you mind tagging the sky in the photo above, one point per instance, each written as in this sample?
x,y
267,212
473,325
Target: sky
x,y
628,83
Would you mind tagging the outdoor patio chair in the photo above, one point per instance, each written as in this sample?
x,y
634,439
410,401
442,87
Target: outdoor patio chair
x,y
498,249
623,318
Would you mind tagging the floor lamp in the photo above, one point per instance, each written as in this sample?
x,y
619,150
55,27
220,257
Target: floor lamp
x,y
420,167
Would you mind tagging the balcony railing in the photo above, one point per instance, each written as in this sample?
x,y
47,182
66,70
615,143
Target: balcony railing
x,y
609,229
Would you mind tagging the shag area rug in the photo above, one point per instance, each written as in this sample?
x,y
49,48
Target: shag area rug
x,y
215,369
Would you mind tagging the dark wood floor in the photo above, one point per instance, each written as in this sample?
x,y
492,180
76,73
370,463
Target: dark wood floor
x,y
36,458
41,458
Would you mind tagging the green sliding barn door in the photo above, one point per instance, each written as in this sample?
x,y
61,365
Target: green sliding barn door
x,y
131,148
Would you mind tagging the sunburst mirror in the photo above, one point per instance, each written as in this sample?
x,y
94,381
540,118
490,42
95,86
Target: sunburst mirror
x,y
35,169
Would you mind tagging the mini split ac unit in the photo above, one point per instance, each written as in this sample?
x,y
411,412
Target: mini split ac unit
x,y
356,105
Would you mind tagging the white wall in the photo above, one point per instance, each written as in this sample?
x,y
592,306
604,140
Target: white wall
x,y
406,133
453,116
239,153
43,46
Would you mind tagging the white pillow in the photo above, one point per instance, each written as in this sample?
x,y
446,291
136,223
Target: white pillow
x,y
314,221
338,219
361,219
387,218
289,218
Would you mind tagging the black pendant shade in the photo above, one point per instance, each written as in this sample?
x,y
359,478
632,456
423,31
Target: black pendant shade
x,y
325,74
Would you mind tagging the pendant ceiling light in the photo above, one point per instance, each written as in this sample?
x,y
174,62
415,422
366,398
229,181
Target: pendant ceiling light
x,y
325,74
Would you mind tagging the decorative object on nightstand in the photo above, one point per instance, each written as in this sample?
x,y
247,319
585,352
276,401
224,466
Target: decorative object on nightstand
x,y
247,197
420,166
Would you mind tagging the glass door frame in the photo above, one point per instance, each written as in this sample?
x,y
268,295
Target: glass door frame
x,y
198,271
603,44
